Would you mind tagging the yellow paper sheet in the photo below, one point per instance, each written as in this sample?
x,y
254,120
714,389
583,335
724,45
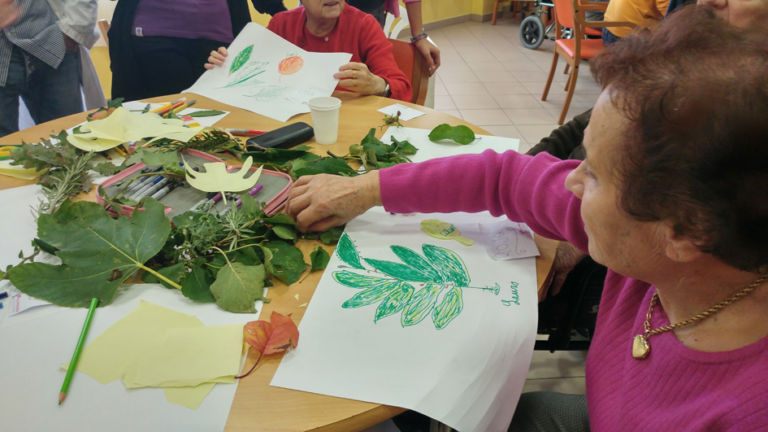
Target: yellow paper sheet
x,y
107,357
188,357
125,126
190,397
18,171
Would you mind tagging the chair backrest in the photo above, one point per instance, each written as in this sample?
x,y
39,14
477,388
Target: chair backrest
x,y
564,13
413,65
104,29
393,26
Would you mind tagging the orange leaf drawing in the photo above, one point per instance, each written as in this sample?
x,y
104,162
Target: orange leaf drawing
x,y
290,65
277,335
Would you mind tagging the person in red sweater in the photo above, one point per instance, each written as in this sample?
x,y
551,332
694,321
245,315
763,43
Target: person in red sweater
x,y
334,26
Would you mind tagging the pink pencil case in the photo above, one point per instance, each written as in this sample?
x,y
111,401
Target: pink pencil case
x,y
275,187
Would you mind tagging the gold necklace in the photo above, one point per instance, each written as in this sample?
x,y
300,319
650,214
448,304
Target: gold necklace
x,y
640,346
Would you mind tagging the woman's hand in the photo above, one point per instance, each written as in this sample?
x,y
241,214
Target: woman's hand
x,y
431,54
357,78
216,58
320,202
9,13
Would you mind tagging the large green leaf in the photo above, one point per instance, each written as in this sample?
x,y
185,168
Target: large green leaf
x,y
325,166
397,270
197,285
395,302
347,252
175,273
286,262
448,263
450,307
97,252
377,291
420,305
415,260
238,286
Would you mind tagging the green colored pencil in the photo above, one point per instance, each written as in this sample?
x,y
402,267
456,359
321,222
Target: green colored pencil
x,y
78,350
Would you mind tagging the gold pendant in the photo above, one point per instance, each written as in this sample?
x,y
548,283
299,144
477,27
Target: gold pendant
x,y
640,347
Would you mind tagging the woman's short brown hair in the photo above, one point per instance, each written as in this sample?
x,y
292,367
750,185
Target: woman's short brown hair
x,y
696,151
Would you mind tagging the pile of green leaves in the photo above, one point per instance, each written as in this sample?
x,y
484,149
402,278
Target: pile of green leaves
x,y
227,259
371,154
67,169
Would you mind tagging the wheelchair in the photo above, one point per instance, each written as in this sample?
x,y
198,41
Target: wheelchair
x,y
532,28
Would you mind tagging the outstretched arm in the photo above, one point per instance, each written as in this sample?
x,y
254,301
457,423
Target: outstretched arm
x,y
428,50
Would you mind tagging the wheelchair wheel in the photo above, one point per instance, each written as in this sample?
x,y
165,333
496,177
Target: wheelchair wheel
x,y
532,32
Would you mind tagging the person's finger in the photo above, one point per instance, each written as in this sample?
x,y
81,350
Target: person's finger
x,y
223,51
325,224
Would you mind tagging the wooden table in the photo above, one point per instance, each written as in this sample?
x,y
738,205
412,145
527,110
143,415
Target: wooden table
x,y
257,405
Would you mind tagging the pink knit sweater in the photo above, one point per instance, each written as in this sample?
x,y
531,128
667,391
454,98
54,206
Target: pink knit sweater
x,y
675,388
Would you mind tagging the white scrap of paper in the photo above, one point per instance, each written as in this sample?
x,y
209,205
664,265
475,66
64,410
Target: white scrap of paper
x,y
406,113
504,240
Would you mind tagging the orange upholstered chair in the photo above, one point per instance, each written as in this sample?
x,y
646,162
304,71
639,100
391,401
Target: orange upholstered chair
x,y
413,65
570,13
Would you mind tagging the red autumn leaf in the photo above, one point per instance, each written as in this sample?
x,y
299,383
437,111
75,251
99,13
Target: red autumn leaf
x,y
277,335
272,337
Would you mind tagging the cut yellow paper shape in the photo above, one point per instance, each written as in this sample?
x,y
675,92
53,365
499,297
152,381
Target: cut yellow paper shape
x,y
125,126
444,231
190,397
18,171
217,179
189,357
107,356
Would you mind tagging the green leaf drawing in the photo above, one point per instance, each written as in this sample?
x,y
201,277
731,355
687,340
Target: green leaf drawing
x,y
238,286
347,252
448,263
460,134
397,270
417,261
395,302
450,307
196,286
377,291
318,259
286,261
420,305
241,59
205,113
354,280
97,252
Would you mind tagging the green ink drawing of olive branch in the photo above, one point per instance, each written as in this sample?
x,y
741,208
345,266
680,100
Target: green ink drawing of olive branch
x,y
439,271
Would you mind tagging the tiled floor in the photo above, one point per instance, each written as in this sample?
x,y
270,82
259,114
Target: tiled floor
x,y
488,78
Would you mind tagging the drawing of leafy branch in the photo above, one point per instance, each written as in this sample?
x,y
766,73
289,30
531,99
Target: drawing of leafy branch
x,y
439,271
243,69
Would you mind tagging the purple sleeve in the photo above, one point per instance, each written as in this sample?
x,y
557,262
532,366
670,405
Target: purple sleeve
x,y
524,188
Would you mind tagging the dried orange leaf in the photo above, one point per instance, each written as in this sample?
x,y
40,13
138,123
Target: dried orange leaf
x,y
274,336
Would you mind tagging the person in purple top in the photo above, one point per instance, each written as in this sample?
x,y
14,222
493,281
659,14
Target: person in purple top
x,y
672,197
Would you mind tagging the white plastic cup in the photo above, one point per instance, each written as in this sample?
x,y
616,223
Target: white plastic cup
x,y
325,118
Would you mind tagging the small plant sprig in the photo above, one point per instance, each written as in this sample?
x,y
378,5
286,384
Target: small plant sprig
x,y
391,120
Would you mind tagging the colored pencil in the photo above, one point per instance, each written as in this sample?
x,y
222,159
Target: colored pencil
x,y
246,132
78,350
252,192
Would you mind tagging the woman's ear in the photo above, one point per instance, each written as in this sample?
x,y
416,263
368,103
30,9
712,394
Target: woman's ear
x,y
679,248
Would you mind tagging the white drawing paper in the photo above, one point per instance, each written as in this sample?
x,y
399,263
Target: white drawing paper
x,y
430,150
270,76
453,342
406,113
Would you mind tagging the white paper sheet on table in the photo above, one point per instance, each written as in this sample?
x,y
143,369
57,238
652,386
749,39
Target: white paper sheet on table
x,y
468,374
271,76
36,344
429,150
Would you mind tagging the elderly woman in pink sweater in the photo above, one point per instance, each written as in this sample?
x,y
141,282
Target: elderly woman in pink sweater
x,y
671,198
